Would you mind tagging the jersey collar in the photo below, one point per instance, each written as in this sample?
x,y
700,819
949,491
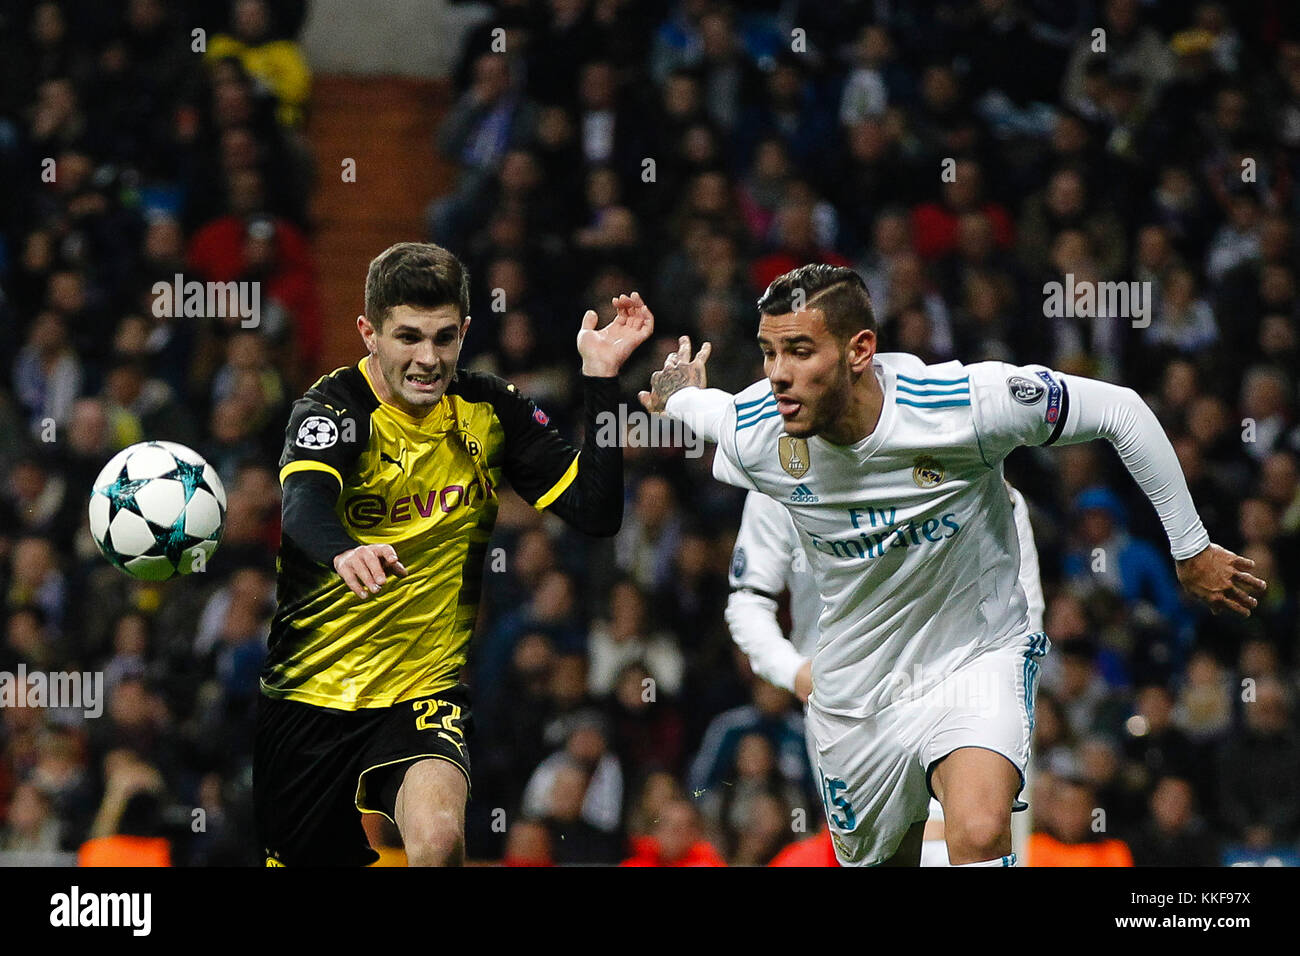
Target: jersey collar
x,y
436,420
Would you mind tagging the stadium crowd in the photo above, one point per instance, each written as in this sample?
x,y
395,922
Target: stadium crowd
x,y
960,154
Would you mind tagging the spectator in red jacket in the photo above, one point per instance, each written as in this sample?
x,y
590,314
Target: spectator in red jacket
x,y
676,841
814,851
934,224
798,242
275,253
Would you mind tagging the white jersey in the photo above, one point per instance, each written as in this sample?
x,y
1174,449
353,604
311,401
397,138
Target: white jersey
x,y
769,558
909,533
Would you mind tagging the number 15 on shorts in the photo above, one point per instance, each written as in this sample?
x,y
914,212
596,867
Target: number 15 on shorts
x,y
847,820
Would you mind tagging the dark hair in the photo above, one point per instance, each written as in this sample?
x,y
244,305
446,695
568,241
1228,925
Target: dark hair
x,y
838,292
418,274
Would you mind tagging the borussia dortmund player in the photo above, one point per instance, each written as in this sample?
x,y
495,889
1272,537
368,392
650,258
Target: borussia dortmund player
x,y
391,471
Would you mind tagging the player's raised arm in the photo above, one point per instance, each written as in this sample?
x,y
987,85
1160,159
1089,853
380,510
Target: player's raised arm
x,y
1035,406
605,350
584,488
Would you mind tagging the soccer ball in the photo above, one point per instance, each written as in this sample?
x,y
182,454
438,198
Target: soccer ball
x,y
157,509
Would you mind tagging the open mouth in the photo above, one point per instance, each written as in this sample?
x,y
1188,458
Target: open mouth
x,y
788,407
421,382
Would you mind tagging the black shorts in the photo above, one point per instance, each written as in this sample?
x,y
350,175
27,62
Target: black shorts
x,y
314,768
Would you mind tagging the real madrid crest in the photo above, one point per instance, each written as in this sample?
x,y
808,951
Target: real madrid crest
x,y
927,472
793,453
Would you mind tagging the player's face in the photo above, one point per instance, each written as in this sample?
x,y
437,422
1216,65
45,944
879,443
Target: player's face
x,y
808,369
415,354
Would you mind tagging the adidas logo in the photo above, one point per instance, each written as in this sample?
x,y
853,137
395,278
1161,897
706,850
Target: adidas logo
x,y
802,495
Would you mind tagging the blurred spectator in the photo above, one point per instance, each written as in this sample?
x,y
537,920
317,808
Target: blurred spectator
x,y
1156,746
1108,558
771,716
1259,772
575,839
651,533
935,224
1131,48
648,733
31,826
528,843
1173,835
753,813
675,841
126,831
47,374
276,62
625,639
1072,834
599,792
1083,695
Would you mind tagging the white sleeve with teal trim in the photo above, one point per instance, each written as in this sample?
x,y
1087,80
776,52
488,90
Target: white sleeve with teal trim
x,y
715,416
1032,405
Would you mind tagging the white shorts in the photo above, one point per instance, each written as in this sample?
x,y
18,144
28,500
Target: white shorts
x,y
874,771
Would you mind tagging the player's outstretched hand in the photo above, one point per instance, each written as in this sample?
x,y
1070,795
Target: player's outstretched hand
x,y
679,371
1222,580
605,350
364,569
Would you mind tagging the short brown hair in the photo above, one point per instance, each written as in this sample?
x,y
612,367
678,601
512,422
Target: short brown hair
x,y
838,292
415,273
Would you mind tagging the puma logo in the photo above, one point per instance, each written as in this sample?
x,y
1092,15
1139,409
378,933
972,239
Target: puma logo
x,y
384,456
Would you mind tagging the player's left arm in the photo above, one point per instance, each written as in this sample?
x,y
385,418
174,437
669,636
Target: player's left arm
x,y
1070,409
584,487
760,570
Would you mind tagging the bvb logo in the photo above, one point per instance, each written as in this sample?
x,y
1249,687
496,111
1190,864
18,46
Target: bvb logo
x,y
927,472
793,453
472,445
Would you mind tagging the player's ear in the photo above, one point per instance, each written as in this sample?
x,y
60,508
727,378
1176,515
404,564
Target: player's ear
x,y
464,327
862,349
367,331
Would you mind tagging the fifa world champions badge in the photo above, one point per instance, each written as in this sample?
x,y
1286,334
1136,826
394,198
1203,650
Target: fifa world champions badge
x,y
793,454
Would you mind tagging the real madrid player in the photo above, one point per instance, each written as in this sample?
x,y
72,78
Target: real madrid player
x,y
390,471
891,470
769,559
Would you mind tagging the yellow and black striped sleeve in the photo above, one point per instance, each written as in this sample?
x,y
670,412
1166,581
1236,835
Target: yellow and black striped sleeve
x,y
584,488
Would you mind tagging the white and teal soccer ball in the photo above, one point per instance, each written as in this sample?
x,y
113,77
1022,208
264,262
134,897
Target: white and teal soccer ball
x,y
157,509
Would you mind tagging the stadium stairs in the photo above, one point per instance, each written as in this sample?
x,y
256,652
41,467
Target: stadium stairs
x,y
387,125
